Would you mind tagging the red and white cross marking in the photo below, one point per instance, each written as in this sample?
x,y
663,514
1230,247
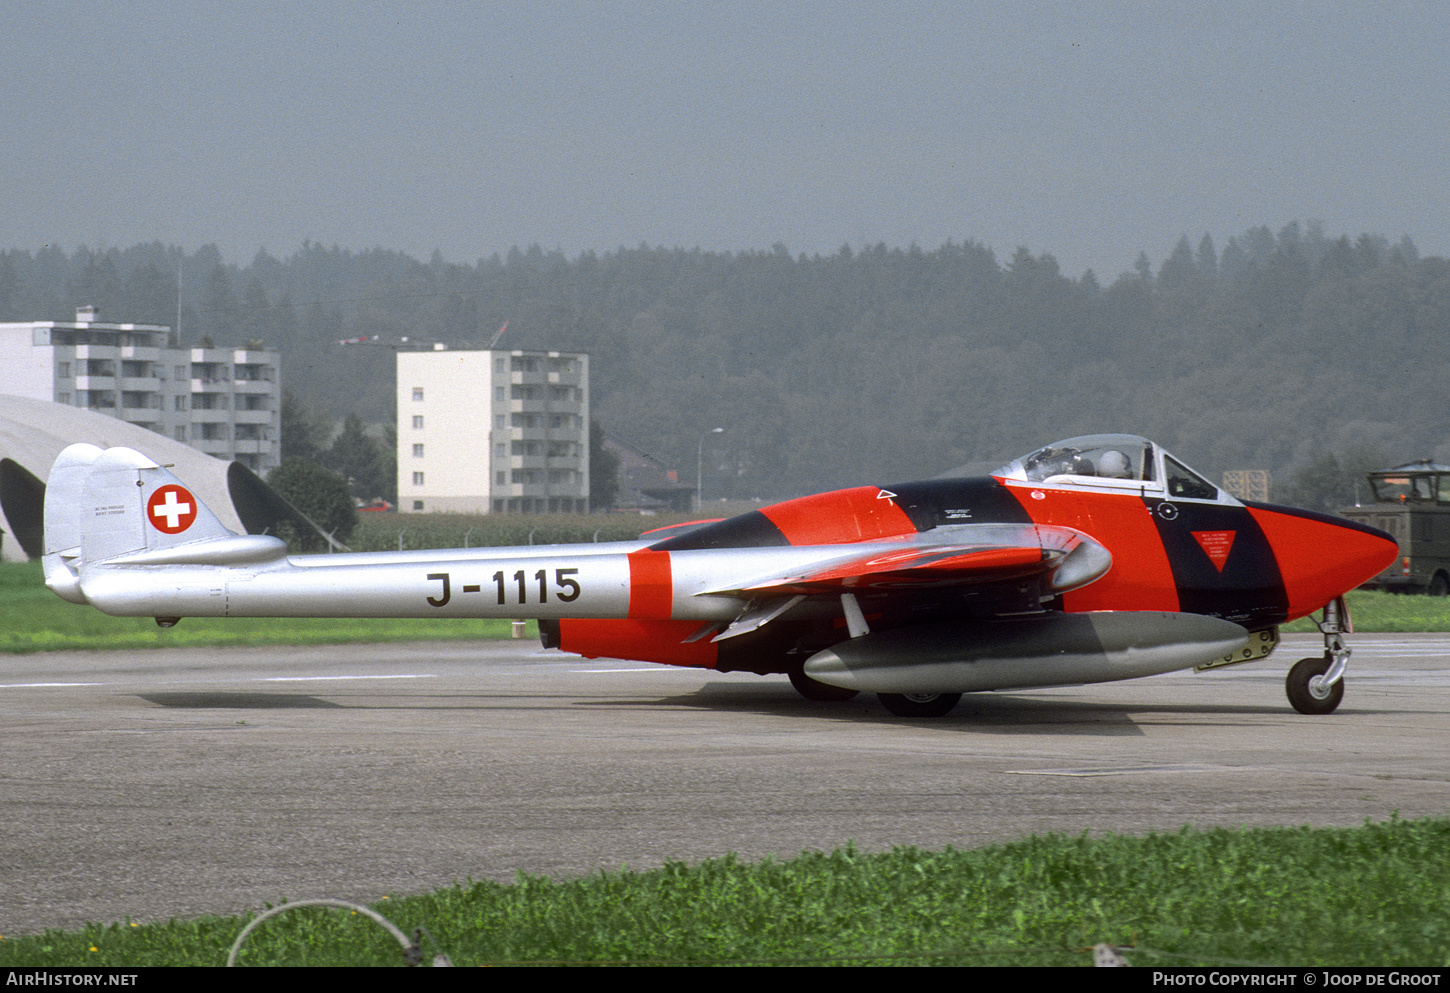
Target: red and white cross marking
x,y
171,509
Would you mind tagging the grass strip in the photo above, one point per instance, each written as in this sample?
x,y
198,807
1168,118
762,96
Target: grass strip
x,y
1375,611
1375,895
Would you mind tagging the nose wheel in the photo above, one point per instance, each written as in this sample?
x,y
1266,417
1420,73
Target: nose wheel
x,y
1316,685
1309,692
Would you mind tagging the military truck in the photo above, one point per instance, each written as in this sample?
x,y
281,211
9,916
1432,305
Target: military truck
x,y
1412,503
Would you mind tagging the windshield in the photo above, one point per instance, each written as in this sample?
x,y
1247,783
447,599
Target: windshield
x,y
1403,489
1107,456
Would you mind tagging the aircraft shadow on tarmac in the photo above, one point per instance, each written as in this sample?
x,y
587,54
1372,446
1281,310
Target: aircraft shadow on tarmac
x,y
239,701
988,713
980,713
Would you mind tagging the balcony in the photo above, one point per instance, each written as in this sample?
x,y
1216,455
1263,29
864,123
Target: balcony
x,y
220,447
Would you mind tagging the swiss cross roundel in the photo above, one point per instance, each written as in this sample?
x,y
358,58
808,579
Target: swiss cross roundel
x,y
171,509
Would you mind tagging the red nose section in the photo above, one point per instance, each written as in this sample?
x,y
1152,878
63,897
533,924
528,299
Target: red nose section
x,y
1322,557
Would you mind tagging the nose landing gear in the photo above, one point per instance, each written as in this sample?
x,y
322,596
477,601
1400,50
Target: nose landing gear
x,y
1316,685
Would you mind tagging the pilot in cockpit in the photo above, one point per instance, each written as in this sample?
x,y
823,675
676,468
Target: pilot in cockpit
x,y
1118,457
1115,465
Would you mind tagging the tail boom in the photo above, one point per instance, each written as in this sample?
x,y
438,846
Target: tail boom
x,y
501,586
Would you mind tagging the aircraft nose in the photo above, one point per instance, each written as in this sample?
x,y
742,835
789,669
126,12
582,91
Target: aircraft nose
x,y
1321,557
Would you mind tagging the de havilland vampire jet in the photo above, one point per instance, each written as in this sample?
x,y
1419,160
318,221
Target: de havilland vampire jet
x,y
1093,559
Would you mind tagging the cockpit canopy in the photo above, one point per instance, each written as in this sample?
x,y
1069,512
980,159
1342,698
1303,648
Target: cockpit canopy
x,y
1112,461
1111,456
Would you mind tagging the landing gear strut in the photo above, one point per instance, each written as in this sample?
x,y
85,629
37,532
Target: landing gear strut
x,y
1316,685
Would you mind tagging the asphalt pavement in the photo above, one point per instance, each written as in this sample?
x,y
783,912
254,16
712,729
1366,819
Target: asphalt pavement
x,y
177,783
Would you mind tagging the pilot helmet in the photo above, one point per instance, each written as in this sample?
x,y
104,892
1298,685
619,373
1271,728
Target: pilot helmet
x,y
1115,465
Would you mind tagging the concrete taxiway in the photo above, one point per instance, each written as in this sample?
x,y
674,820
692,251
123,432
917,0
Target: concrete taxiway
x,y
186,782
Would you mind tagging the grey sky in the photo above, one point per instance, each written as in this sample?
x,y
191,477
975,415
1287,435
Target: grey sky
x,y
1089,130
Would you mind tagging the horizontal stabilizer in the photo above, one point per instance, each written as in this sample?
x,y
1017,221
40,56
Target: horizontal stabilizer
x,y
238,549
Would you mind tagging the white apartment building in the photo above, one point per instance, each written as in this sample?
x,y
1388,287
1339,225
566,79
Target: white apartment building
x,y
494,431
222,401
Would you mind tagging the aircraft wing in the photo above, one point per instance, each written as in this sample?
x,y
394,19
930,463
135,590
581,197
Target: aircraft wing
x,y
966,555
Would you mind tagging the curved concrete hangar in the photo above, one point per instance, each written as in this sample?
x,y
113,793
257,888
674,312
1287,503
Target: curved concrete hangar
x,y
34,432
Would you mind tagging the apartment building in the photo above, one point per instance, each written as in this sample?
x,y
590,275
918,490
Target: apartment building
x,y
493,431
222,401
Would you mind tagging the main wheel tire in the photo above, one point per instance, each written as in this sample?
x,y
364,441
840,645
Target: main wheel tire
x,y
814,689
1439,585
919,704
1305,700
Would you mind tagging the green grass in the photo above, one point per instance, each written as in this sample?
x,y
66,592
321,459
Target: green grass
x,y
33,619
1377,611
1373,895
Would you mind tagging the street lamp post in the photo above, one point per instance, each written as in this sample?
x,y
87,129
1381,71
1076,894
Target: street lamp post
x,y
700,467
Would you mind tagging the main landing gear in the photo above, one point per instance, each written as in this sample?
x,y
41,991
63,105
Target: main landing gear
x,y
919,704
814,689
1316,685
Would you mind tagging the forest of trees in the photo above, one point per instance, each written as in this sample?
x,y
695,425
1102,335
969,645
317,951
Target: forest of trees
x,y
1308,354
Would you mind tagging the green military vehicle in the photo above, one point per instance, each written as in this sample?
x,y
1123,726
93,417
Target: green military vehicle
x,y
1412,503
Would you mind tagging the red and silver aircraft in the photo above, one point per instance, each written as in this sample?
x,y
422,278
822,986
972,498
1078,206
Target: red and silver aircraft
x,y
1090,560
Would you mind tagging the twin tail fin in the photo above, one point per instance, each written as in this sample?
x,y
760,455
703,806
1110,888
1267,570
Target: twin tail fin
x,y
118,507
